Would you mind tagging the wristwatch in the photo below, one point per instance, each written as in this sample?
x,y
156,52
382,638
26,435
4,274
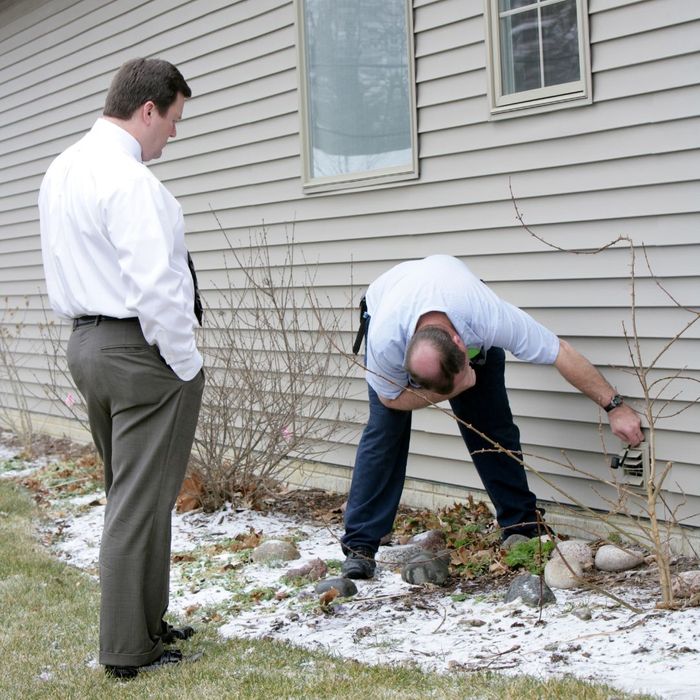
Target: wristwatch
x,y
615,401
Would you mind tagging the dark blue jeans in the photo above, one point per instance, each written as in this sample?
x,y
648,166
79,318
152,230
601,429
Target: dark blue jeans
x,y
380,462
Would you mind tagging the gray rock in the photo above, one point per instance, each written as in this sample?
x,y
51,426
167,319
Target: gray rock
x,y
445,555
583,613
430,540
559,573
274,552
531,590
575,550
472,622
345,586
613,558
394,558
425,567
311,570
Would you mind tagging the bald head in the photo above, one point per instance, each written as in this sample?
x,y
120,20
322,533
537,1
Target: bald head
x,y
433,360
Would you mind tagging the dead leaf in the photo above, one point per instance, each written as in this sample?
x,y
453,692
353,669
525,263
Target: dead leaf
x,y
498,569
246,540
182,557
190,496
327,597
192,609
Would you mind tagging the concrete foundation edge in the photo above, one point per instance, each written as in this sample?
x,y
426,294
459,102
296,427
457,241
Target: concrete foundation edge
x,y
418,493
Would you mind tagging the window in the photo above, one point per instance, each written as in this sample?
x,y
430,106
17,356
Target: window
x,y
357,91
538,54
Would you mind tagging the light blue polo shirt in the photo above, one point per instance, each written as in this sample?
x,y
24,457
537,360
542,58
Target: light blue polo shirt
x,y
399,297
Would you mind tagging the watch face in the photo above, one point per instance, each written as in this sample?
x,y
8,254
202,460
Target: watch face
x,y
614,402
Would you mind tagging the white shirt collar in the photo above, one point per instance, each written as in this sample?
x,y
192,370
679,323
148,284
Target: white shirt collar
x,y
107,129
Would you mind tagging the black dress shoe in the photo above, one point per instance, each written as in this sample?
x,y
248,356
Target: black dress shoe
x,y
173,633
121,673
359,563
127,673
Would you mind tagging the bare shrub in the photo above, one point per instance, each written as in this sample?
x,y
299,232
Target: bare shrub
x,y
274,385
60,389
15,408
24,388
662,400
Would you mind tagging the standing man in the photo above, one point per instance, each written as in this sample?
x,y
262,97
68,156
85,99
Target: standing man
x,y
436,333
113,245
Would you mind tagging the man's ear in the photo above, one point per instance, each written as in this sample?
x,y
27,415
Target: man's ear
x,y
147,109
457,340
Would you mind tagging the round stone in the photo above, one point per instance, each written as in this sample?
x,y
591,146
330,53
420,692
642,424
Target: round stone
x,y
430,540
610,557
311,570
425,567
531,590
574,551
394,558
274,552
583,613
559,573
345,586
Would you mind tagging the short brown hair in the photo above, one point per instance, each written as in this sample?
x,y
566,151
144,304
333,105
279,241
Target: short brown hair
x,y
140,80
451,358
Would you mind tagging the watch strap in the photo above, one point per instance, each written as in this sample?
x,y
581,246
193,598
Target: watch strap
x,y
616,401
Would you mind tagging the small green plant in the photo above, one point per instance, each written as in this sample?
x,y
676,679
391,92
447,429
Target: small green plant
x,y
12,465
255,595
294,581
531,555
72,477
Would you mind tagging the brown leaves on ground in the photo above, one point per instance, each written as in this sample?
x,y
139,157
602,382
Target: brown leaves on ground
x,y
472,537
246,540
83,474
191,494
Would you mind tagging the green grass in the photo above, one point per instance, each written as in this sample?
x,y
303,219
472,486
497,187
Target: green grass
x,y
48,647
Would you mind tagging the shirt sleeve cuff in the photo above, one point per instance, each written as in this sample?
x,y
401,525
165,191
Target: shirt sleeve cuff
x,y
384,389
189,368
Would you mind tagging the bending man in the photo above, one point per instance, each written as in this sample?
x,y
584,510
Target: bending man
x,y
435,333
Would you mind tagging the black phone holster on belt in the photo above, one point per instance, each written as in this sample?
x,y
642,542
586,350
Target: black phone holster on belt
x,y
362,330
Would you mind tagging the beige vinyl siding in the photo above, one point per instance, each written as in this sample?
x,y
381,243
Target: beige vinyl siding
x,y
629,165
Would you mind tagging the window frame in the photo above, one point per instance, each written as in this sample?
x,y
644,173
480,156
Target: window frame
x,y
572,94
367,178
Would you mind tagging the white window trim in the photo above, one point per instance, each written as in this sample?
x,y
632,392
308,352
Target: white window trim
x,y
576,93
365,178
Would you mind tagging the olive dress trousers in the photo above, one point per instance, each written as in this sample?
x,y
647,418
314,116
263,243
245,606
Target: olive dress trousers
x,y
143,419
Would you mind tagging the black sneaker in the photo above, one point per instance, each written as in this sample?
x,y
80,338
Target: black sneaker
x,y
359,564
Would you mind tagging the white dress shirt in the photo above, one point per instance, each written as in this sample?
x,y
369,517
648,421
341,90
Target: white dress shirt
x,y
113,243
399,297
